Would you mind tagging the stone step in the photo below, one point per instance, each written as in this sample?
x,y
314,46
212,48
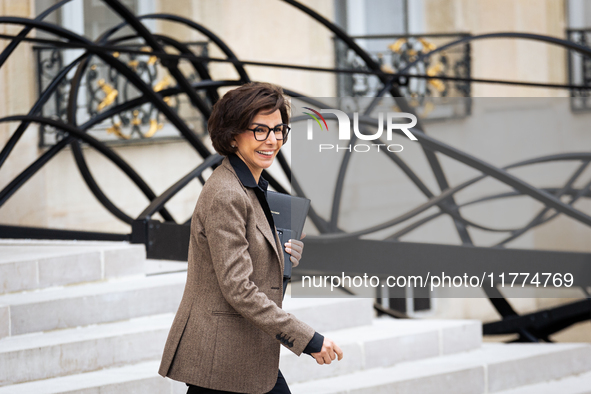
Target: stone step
x,y
27,266
384,343
328,314
129,297
141,378
37,356
59,242
61,352
580,384
93,303
492,368
463,373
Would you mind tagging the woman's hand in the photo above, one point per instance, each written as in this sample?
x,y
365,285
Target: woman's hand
x,y
329,352
295,249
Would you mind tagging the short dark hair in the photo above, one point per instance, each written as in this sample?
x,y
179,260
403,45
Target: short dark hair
x,y
234,112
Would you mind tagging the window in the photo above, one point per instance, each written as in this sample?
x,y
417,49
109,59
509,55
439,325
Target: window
x,y
579,22
101,86
392,32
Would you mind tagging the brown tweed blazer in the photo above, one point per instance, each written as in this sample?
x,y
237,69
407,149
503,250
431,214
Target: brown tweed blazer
x,y
227,332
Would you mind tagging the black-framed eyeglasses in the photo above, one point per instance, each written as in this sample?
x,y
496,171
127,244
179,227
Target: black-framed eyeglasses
x,y
261,132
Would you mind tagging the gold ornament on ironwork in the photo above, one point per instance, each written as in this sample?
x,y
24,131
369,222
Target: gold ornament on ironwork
x,y
427,46
110,94
133,64
136,121
116,129
154,127
433,71
163,84
384,66
152,59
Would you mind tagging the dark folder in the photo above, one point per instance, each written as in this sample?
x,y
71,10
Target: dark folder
x,y
289,215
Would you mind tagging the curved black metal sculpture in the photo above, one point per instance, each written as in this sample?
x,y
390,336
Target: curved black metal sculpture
x,y
169,239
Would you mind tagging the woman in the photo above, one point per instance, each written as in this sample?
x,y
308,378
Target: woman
x,y
227,332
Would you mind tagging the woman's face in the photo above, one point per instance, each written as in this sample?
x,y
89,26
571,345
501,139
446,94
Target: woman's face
x,y
259,155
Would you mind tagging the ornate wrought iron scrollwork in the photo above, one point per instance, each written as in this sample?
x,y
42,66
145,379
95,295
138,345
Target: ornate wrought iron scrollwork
x,y
105,88
360,73
579,70
396,53
49,63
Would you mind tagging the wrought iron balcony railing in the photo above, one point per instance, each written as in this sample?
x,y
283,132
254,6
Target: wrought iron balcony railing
x,y
103,87
579,70
403,54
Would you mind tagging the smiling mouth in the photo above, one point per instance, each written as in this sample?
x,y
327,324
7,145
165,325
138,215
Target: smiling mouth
x,y
270,153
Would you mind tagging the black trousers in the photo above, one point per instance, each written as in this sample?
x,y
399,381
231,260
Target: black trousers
x,y
280,388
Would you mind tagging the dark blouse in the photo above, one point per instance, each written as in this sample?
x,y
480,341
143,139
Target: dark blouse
x,y
260,189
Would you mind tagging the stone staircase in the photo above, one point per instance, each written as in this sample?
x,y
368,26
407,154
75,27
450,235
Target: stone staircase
x,y
90,317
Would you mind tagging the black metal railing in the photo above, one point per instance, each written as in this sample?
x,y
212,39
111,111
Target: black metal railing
x,y
402,54
398,83
579,70
104,87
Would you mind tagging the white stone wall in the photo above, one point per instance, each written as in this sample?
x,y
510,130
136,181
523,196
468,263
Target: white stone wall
x,y
509,59
17,94
270,30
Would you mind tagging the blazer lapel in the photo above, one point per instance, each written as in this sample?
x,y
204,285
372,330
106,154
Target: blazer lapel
x,y
260,218
262,222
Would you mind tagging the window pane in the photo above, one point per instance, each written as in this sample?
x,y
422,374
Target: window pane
x,y
99,18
